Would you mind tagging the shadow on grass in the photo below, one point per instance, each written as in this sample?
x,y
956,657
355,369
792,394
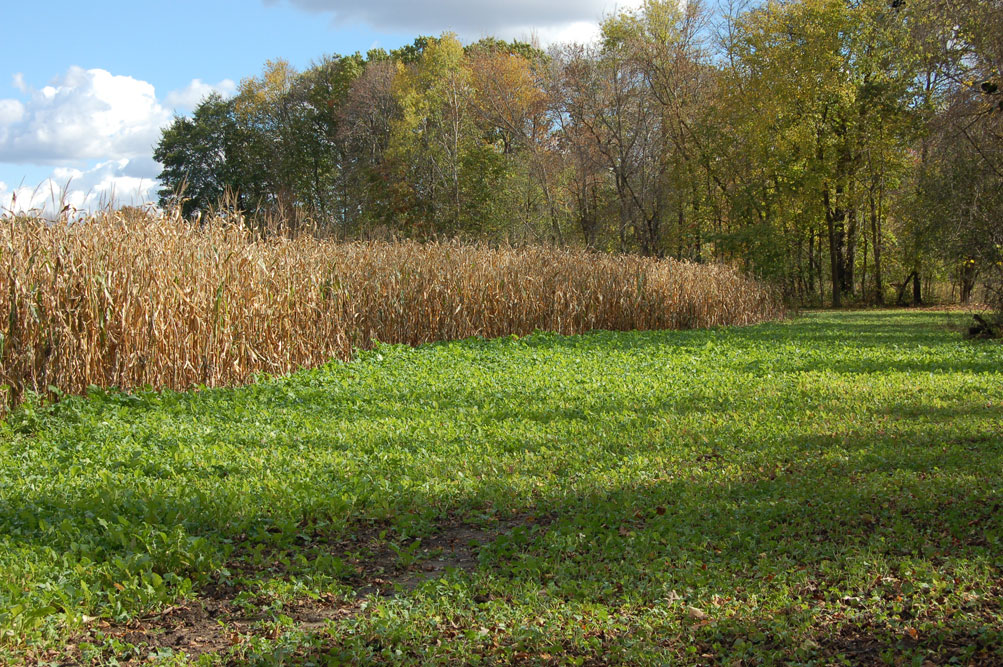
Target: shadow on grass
x,y
805,545
790,552
805,561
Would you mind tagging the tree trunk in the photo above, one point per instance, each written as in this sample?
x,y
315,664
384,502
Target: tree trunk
x,y
624,212
820,270
905,283
680,245
811,263
849,250
543,175
863,271
879,291
834,225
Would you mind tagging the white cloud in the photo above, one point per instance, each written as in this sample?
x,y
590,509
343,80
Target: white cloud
x,y
91,115
118,182
84,114
551,20
578,32
189,97
97,131
11,111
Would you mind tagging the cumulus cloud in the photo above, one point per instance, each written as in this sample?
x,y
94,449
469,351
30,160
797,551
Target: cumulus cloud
x,y
189,97
11,111
91,115
96,130
113,182
553,20
577,32
84,114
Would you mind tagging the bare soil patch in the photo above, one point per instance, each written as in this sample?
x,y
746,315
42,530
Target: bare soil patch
x,y
214,623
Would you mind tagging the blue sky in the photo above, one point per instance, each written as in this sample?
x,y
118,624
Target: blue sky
x,y
85,87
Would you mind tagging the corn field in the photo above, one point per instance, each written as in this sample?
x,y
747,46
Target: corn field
x,y
132,299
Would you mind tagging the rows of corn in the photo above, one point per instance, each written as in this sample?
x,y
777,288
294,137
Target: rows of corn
x,y
129,299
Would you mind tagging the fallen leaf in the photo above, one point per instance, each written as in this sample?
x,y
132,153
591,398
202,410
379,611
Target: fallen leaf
x,y
698,614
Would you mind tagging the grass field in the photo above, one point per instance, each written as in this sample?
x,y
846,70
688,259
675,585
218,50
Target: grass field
x,y
820,491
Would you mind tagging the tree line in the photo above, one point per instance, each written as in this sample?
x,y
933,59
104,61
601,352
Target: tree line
x,y
847,150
